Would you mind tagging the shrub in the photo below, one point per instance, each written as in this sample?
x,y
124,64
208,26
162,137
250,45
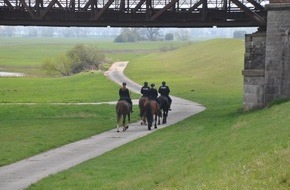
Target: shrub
x,y
127,36
59,65
85,58
79,59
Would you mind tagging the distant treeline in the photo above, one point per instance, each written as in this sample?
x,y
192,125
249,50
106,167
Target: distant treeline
x,y
124,34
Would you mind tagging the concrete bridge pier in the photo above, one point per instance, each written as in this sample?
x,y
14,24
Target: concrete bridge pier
x,y
267,59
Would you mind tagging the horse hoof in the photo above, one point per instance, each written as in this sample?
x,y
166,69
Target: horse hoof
x,y
141,123
118,131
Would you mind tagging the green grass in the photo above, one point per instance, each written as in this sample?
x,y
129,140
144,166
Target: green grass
x,y
27,54
220,148
27,130
84,87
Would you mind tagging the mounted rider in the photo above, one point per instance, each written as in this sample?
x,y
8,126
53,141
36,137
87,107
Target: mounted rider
x,y
125,95
153,93
164,91
145,90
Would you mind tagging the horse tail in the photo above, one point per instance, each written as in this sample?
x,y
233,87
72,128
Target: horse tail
x,y
149,115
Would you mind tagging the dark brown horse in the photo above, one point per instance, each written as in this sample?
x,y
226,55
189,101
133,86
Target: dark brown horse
x,y
142,102
152,112
164,107
123,109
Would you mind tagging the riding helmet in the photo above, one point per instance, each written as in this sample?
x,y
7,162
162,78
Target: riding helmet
x,y
152,85
124,84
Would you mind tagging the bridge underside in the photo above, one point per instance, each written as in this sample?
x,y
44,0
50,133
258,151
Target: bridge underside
x,y
134,13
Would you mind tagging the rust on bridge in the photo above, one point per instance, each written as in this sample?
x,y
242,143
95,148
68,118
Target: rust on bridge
x,y
134,13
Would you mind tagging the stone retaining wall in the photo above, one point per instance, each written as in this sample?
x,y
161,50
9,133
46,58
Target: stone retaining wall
x,y
267,59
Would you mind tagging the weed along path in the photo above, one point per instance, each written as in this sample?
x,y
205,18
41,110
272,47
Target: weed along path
x,y
23,173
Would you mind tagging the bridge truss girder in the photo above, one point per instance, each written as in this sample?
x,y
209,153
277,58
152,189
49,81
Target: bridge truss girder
x,y
134,13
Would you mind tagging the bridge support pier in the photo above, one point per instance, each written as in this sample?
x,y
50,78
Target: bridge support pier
x,y
267,59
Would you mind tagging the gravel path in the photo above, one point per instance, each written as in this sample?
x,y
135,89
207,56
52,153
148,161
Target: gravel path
x,y
23,173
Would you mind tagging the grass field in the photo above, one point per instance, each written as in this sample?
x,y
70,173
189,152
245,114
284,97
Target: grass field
x,y
220,148
27,54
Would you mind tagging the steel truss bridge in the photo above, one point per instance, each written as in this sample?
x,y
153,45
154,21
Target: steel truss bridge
x,y
134,13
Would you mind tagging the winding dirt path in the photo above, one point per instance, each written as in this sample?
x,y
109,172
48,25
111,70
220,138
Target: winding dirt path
x,y
23,173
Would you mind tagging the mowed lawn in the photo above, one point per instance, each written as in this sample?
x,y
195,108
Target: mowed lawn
x,y
29,123
220,148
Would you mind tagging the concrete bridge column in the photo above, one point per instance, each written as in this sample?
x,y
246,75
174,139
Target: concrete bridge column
x,y
267,59
254,70
277,63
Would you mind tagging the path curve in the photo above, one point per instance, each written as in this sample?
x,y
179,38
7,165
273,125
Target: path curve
x,y
23,173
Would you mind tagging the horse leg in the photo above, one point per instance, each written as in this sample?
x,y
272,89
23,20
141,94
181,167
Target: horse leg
x,y
129,120
149,125
164,117
118,122
159,118
118,128
155,123
124,122
144,119
141,116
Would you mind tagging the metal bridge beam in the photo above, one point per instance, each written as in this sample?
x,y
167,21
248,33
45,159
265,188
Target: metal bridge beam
x,y
133,13
250,13
168,6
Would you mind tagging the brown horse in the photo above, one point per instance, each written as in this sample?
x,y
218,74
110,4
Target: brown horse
x,y
152,111
142,102
123,108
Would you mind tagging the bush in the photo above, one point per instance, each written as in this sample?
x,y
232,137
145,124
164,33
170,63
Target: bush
x,y
80,58
85,58
59,65
127,37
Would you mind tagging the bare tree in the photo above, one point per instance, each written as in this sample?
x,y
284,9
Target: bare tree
x,y
151,33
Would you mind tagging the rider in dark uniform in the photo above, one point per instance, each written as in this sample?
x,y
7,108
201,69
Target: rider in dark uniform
x,y
145,90
153,93
125,95
164,91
